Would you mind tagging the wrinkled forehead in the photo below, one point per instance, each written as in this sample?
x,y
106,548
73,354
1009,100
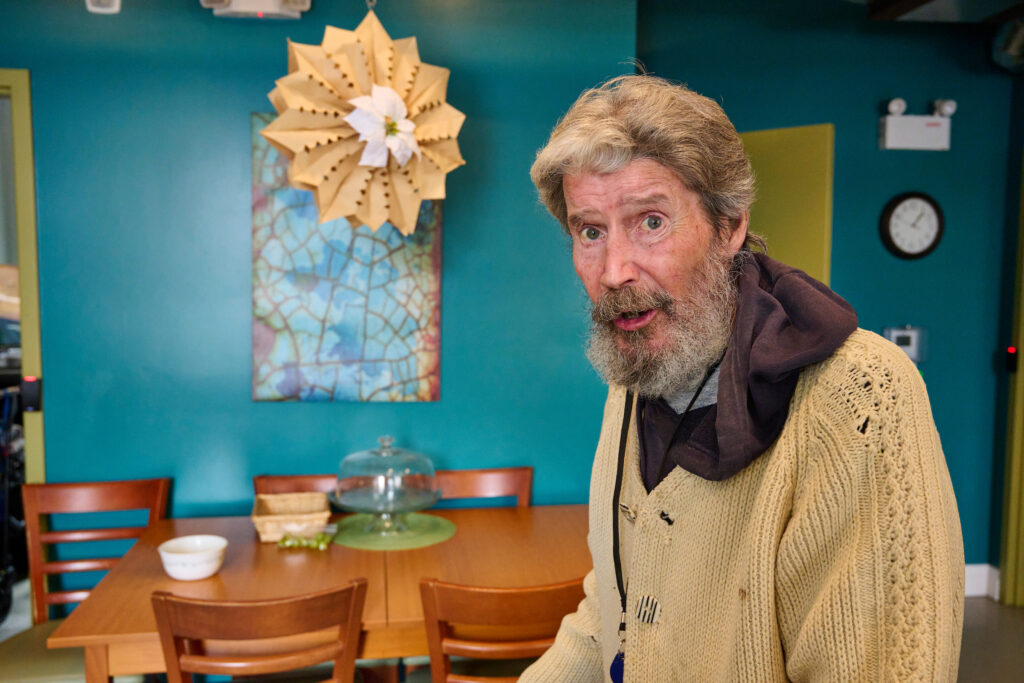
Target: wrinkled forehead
x,y
652,170
640,183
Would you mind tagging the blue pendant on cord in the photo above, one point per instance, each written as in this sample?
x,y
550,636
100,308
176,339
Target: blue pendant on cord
x,y
617,668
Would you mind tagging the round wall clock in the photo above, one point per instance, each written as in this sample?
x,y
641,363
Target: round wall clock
x,y
911,225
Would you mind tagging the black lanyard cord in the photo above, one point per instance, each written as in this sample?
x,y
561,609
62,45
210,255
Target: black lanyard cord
x,y
623,441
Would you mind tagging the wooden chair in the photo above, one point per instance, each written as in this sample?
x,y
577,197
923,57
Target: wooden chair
x,y
481,483
99,496
186,624
510,623
25,655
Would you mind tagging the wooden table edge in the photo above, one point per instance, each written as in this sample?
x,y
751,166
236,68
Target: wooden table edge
x,y
56,641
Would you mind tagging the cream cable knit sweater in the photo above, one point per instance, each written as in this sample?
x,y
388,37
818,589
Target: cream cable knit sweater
x,y
835,556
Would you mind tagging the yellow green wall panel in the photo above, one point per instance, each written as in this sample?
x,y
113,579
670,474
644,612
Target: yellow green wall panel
x,y
1011,580
14,83
793,210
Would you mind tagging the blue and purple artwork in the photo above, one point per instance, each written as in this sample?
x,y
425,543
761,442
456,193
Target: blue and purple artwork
x,y
339,314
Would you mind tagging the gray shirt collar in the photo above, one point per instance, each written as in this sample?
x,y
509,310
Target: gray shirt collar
x,y
708,395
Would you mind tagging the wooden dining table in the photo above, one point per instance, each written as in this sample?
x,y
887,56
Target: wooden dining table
x,y
504,547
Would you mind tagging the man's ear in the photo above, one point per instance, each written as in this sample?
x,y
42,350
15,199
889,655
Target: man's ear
x,y
739,233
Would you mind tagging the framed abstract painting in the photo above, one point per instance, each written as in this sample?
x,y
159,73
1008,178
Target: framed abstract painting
x,y
339,313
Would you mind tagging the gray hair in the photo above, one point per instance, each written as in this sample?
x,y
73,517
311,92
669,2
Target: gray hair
x,y
646,117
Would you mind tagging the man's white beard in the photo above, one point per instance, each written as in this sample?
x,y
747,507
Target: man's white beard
x,y
698,329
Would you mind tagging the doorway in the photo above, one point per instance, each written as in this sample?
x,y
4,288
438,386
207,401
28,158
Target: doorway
x,y
21,433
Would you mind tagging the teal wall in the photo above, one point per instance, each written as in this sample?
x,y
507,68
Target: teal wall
x,y
141,124
812,61
143,173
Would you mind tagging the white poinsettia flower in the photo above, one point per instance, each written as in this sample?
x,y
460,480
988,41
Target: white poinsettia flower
x,y
382,129
381,121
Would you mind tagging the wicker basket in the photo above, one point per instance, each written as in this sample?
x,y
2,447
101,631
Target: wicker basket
x,y
298,514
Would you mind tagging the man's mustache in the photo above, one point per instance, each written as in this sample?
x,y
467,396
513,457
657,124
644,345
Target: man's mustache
x,y
615,302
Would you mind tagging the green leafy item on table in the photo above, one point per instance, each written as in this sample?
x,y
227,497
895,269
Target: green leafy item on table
x,y
318,542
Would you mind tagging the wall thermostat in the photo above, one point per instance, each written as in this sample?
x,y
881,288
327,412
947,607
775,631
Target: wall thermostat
x,y
910,339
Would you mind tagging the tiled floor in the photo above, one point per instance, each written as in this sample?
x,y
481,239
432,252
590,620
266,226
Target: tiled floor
x,y
992,651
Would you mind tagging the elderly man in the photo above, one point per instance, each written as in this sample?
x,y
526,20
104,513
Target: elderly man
x,y
769,499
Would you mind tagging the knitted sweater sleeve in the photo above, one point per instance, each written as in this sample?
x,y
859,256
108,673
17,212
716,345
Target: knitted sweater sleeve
x,y
870,569
575,656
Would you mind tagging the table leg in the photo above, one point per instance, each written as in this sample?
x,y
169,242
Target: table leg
x,y
97,666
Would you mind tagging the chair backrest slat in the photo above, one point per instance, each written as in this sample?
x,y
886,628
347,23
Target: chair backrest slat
x,y
495,482
456,678
83,497
446,605
69,566
80,535
101,496
485,606
186,623
511,649
66,597
261,664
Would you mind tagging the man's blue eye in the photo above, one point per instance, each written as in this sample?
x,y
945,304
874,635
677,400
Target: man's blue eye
x,y
590,233
653,222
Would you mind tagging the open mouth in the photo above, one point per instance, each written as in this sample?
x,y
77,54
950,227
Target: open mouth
x,y
634,320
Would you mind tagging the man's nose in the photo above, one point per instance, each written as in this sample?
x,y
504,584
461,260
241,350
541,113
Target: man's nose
x,y
620,266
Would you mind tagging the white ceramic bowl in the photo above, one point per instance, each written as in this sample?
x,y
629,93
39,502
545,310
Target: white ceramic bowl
x,y
190,558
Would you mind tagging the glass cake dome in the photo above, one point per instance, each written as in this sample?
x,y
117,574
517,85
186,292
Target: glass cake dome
x,y
387,483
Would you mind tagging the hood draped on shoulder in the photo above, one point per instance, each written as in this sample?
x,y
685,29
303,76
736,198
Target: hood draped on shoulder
x,y
785,320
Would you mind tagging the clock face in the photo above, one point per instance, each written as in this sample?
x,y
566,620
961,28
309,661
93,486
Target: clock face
x,y
911,225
